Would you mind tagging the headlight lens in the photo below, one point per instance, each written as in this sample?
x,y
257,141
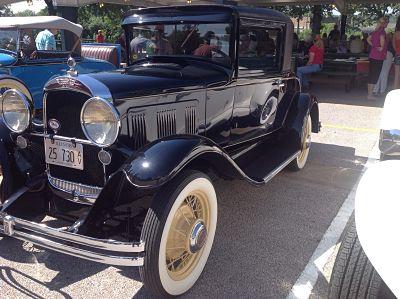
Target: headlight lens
x,y
100,121
16,110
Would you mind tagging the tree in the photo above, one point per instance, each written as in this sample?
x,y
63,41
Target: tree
x,y
106,17
5,11
25,13
50,7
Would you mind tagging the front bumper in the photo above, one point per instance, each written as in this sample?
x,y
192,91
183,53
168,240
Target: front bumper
x,y
104,251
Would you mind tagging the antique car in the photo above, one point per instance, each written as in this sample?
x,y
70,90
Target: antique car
x,y
367,265
128,159
389,140
367,262
21,61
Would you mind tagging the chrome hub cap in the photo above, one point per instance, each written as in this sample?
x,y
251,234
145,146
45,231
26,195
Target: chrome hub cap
x,y
187,236
198,237
306,141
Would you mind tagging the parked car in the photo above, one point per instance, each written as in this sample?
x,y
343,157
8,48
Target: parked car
x,y
366,265
129,158
367,262
27,68
389,140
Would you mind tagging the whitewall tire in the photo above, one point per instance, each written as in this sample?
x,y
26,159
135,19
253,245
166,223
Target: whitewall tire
x,y
178,232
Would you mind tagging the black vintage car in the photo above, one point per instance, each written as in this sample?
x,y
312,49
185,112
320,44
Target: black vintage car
x,y
125,158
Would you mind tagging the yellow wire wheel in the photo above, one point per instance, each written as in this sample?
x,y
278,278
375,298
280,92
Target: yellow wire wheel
x,y
185,219
301,159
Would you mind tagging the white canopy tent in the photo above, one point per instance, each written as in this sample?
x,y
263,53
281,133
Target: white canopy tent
x,y
42,22
340,4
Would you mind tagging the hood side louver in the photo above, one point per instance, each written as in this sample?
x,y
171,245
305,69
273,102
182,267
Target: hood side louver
x,y
166,123
137,128
190,120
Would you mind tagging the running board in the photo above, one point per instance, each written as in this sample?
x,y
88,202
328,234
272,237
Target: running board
x,y
277,170
265,161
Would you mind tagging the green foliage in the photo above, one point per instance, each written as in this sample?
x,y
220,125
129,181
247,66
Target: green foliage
x,y
107,18
25,13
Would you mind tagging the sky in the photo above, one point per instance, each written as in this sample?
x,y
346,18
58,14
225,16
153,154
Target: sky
x,y
23,5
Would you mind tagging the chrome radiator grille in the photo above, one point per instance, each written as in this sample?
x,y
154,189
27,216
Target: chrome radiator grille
x,y
65,106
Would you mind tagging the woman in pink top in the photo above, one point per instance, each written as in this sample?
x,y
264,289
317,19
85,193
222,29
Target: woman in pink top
x,y
377,41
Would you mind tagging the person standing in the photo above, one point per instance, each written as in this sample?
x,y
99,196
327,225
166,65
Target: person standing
x,y
396,46
314,64
334,34
99,37
45,40
381,85
377,41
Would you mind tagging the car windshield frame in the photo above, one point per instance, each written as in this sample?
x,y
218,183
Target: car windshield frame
x,y
230,44
16,32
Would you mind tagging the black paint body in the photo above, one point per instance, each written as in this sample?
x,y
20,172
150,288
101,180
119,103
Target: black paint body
x,y
176,113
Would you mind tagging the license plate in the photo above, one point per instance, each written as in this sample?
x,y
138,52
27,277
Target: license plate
x,y
64,153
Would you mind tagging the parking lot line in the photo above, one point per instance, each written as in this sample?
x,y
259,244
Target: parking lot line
x,y
305,283
370,130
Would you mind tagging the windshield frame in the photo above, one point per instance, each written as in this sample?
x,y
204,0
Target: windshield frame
x,y
128,28
17,30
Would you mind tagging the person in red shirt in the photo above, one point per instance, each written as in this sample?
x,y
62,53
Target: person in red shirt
x,y
99,37
314,64
206,49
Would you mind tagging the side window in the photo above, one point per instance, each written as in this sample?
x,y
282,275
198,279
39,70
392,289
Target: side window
x,y
260,49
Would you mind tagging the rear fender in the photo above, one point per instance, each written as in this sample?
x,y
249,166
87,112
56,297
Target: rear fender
x,y
302,106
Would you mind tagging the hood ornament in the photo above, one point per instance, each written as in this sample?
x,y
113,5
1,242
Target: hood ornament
x,y
72,64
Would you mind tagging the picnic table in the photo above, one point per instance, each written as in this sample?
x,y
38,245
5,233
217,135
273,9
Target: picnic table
x,y
338,70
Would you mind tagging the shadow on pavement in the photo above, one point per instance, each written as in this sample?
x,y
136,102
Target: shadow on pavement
x,y
7,276
264,239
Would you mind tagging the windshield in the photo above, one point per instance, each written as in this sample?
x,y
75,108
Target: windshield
x,y
208,41
8,39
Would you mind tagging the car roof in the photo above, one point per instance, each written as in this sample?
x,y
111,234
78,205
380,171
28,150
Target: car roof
x,y
242,11
40,22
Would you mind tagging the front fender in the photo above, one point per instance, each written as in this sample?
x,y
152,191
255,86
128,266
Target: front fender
x,y
161,160
377,210
130,190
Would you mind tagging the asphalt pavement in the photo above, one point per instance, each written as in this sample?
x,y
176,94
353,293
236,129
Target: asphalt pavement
x,y
265,236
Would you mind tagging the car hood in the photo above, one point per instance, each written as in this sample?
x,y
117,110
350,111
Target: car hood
x,y
155,77
7,59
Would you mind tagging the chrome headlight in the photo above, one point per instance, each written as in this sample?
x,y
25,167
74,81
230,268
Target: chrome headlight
x,y
15,110
100,121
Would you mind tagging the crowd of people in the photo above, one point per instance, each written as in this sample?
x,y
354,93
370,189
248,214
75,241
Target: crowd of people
x,y
381,46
